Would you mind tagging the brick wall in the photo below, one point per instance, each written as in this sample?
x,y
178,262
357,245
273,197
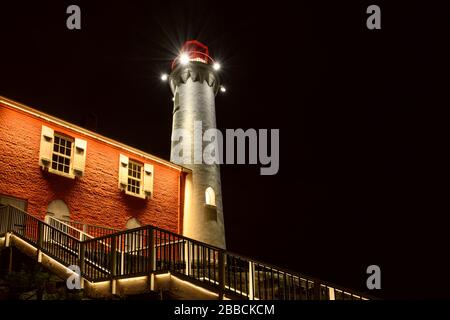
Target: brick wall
x,y
95,198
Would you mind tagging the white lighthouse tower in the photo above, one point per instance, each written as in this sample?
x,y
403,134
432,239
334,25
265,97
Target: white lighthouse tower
x,y
194,83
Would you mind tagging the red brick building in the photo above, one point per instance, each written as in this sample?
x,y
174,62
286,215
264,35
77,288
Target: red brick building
x,y
51,167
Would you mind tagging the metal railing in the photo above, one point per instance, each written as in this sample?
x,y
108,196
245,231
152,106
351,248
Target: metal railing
x,y
3,224
148,249
59,245
92,230
65,227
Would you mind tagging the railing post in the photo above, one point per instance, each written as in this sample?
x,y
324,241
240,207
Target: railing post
x,y
331,293
152,258
122,256
113,264
187,256
222,258
81,255
251,280
40,235
153,250
8,219
8,226
316,289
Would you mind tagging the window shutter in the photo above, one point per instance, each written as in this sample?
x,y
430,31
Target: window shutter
x,y
148,180
79,157
45,152
123,172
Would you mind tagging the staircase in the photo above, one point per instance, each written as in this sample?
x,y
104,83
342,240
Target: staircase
x,y
149,259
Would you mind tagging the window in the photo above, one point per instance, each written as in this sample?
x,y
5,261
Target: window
x,y
176,101
210,210
134,177
62,154
210,197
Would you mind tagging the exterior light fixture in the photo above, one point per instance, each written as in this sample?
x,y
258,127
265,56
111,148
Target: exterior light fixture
x,y
216,66
164,77
184,58
223,89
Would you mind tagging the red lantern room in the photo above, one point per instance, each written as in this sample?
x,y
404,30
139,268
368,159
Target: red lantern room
x,y
193,50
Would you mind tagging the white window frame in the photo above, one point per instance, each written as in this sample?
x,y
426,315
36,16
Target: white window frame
x,y
210,197
145,181
132,162
72,143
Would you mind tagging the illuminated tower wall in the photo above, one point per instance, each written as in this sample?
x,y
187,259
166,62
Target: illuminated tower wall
x,y
194,85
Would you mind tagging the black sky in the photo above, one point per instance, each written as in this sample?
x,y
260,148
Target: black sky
x,y
358,181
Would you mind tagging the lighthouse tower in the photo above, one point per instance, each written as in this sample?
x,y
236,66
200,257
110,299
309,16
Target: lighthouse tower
x,y
194,83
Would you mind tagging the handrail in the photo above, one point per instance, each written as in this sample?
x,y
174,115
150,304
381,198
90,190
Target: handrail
x,y
57,221
40,221
135,252
93,230
265,264
46,238
90,225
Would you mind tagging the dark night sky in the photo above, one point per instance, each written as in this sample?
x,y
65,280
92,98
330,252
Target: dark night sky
x,y
358,177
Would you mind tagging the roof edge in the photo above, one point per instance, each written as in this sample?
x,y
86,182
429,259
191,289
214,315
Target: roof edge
x,y
52,119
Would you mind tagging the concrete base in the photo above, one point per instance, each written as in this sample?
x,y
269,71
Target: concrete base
x,y
98,289
181,289
132,286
